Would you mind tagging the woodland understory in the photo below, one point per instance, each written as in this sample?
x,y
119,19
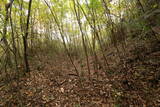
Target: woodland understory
x,y
80,53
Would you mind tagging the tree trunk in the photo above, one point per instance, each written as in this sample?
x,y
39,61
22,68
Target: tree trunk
x,y
25,42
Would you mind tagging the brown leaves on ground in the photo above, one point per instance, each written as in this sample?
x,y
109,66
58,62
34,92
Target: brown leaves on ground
x,y
133,81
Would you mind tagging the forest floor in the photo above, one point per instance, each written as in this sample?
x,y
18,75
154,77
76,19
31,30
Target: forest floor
x,y
133,81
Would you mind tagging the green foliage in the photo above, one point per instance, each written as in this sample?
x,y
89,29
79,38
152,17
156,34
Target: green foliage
x,y
44,29
117,105
95,4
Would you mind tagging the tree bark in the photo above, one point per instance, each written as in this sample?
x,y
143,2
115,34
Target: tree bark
x,y
25,42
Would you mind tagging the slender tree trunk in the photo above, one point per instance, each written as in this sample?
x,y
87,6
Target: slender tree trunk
x,y
92,24
14,42
7,47
107,11
25,42
83,38
62,36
